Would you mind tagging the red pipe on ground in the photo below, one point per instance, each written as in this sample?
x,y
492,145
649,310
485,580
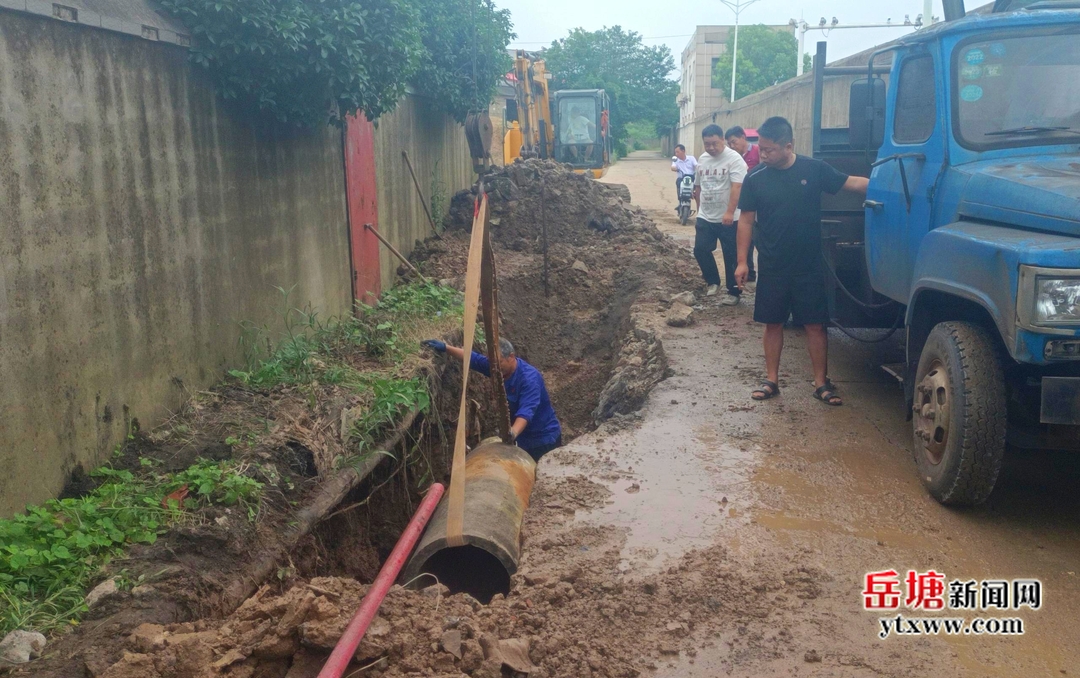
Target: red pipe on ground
x,y
350,640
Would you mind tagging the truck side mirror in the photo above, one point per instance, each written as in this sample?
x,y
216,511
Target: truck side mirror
x,y
866,115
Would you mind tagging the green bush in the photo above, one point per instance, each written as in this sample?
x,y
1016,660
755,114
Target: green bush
x,y
52,553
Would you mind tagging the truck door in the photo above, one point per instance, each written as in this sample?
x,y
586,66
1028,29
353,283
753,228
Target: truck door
x,y
913,153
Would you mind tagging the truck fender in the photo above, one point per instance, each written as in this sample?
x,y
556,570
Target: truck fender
x,y
962,272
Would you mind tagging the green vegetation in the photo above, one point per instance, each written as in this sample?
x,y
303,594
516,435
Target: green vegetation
x,y
766,58
391,398
464,53
635,76
309,61
52,553
387,334
642,136
440,201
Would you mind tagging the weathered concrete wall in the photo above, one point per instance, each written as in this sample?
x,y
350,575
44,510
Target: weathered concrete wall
x,y
793,100
141,220
439,154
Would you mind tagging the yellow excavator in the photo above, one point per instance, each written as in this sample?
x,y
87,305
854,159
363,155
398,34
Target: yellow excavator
x,y
570,126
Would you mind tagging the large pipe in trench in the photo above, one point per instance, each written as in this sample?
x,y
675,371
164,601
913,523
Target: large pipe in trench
x,y
498,482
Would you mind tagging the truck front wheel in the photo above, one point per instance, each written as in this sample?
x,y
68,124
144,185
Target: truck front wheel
x,y
960,414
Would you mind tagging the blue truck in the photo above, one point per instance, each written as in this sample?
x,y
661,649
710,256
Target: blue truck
x,y
968,241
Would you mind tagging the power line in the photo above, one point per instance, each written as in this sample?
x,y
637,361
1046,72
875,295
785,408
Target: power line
x,y
548,42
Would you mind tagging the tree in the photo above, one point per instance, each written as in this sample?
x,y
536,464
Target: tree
x,y
464,54
766,58
294,58
635,76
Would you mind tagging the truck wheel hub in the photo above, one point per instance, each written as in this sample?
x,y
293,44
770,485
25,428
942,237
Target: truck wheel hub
x,y
932,402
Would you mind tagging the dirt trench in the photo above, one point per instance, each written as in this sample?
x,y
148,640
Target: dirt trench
x,y
607,262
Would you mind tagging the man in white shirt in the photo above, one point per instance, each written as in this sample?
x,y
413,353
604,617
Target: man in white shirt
x,y
718,184
579,133
683,165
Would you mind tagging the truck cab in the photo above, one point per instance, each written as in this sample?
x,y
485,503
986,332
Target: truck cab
x,y
969,238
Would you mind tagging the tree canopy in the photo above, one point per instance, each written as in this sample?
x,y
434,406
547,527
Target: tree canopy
x,y
635,76
464,55
293,58
766,58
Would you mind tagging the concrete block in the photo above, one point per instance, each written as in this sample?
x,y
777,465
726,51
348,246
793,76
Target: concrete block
x,y
131,29
88,18
112,24
39,7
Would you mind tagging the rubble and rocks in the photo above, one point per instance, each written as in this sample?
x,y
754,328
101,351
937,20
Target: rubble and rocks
x,y
102,592
641,365
607,261
19,647
680,315
687,298
575,614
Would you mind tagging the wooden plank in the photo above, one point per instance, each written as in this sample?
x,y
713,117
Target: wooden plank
x,y
455,518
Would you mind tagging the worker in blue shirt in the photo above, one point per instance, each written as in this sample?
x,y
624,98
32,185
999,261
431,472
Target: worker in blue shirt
x,y
534,426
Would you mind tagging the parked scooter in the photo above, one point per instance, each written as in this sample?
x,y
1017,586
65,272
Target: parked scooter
x,y
686,195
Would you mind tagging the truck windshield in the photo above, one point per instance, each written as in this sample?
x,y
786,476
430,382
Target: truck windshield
x,y
1018,91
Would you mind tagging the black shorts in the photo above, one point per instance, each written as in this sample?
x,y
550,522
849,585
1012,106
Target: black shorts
x,y
802,296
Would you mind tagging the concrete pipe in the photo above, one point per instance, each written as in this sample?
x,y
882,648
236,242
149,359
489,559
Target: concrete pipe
x,y
498,481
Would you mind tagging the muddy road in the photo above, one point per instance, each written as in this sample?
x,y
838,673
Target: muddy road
x,y
793,486
702,535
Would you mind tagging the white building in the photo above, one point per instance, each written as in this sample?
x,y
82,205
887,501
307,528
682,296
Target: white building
x,y
697,96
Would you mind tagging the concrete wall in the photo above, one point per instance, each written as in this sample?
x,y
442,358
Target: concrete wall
x,y
793,100
439,154
140,220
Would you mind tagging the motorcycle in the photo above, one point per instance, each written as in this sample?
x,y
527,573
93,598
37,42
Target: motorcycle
x,y
686,195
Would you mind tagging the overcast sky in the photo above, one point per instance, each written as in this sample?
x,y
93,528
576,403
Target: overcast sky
x,y
672,22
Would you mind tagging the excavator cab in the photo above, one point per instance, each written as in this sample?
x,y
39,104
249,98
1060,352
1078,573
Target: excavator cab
x,y
582,139
569,126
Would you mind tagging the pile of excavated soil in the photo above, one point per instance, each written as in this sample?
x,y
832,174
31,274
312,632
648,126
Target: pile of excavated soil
x,y
607,260
571,612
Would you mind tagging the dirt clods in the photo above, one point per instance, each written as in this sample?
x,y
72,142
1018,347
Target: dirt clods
x,y
609,269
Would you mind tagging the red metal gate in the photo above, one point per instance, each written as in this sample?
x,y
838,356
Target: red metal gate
x,y
363,208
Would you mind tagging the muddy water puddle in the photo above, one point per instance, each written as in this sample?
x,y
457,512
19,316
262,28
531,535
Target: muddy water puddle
x,y
676,483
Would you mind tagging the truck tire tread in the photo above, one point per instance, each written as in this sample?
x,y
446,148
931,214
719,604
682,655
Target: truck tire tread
x,y
983,427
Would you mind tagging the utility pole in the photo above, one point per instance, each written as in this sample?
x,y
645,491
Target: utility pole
x,y
801,27
736,6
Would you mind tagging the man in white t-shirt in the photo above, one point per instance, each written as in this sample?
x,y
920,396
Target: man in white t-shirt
x,y
684,166
717,185
579,133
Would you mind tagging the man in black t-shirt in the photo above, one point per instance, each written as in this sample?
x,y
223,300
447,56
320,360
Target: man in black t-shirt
x,y
784,198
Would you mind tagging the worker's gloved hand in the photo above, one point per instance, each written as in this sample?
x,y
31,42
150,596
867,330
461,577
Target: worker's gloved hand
x,y
434,345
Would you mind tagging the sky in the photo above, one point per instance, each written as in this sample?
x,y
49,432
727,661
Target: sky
x,y
672,22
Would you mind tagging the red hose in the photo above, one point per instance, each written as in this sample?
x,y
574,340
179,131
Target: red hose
x,y
343,653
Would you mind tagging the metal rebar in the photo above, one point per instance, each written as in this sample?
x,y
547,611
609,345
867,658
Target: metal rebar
x,y
423,203
543,234
397,254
